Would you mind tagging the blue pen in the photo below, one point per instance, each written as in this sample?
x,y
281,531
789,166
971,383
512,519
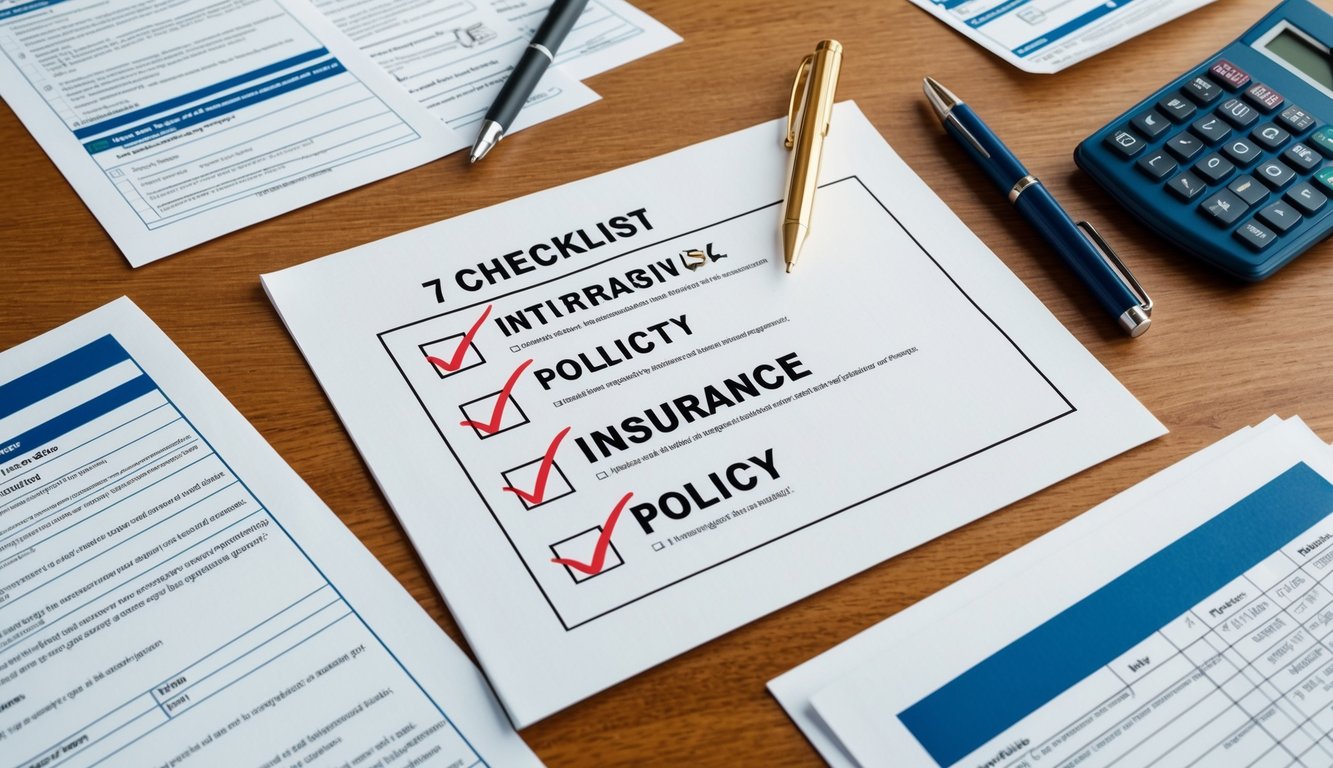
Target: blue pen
x,y
1079,245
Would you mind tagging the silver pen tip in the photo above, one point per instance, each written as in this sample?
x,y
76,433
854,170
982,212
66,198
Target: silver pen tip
x,y
942,100
490,135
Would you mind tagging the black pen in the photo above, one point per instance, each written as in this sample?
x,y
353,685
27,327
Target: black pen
x,y
530,68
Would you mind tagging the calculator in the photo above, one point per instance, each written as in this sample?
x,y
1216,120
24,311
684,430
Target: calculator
x,y
1230,161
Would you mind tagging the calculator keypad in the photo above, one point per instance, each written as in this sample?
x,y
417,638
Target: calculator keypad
x,y
1228,149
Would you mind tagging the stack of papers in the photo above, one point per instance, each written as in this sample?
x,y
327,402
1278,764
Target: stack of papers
x,y
182,120
1185,621
615,428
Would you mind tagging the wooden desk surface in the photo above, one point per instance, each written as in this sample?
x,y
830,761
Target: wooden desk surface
x,y
1220,355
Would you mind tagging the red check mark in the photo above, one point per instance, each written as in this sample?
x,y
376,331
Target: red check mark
x,y
490,427
543,473
603,542
451,365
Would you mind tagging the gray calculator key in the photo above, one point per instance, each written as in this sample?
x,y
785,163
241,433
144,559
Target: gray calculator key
x,y
1247,188
1223,207
1186,186
1184,145
1176,106
1156,165
1213,168
1238,113
1306,198
1280,216
1211,128
1269,136
1202,90
1125,143
1301,157
1150,123
1255,235
1275,174
1296,119
1240,151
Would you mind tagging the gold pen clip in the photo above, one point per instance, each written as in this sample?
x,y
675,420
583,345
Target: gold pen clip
x,y
1136,320
801,86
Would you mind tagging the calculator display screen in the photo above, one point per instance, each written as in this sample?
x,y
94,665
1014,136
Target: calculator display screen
x,y
1303,56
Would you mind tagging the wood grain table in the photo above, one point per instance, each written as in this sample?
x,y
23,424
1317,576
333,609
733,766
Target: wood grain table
x,y
1220,355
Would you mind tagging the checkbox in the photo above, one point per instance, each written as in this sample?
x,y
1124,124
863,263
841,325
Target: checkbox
x,y
581,546
515,348
445,349
526,478
658,546
602,475
483,408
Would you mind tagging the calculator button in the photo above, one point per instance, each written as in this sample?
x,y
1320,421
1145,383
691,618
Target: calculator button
x,y
1186,186
1280,216
1269,136
1177,107
1150,124
1247,189
1156,165
1306,198
1296,119
1275,174
1241,151
1184,146
1323,140
1126,143
1256,236
1301,157
1263,97
1228,75
1238,113
1223,208
1213,168
1325,178
1211,129
1202,90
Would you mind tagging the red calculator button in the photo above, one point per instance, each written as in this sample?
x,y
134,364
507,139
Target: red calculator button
x,y
1228,74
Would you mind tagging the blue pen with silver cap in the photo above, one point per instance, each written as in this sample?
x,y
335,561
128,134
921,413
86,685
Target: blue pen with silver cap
x,y
1078,244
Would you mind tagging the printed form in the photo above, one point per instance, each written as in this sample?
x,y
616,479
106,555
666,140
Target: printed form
x,y
1188,621
615,428
178,121
182,120
1046,36
172,594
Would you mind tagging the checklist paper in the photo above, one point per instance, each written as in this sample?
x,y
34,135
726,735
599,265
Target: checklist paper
x,y
1185,621
615,428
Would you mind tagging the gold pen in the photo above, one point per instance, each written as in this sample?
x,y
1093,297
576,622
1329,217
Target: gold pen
x,y
816,81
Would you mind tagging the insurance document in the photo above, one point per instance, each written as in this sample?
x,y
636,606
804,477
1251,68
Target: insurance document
x,y
181,120
172,594
615,428
1046,36
1185,622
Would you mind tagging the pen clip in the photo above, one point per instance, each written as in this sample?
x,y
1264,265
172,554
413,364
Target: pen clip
x,y
1113,261
802,79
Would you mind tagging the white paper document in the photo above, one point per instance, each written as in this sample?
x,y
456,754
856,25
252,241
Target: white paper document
x,y
172,594
614,427
181,120
1046,36
1186,621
